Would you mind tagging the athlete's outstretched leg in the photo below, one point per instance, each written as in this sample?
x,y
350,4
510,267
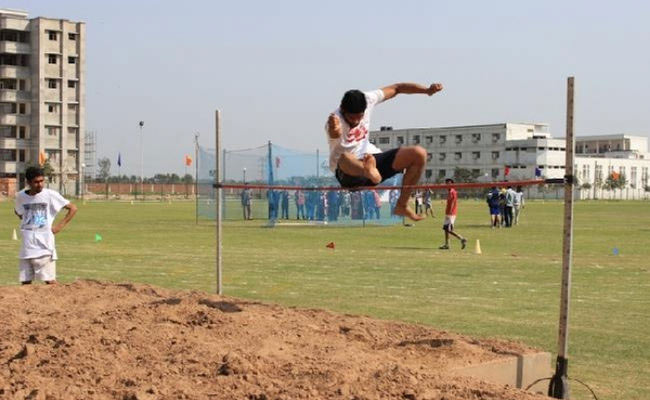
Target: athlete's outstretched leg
x,y
412,159
367,167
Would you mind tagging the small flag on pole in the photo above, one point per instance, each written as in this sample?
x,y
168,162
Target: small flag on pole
x,y
98,237
119,159
615,175
42,158
188,160
538,172
277,162
507,171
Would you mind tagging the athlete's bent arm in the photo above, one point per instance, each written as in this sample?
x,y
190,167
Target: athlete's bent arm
x,y
410,88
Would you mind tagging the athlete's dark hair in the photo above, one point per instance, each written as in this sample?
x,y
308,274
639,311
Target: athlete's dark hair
x,y
354,101
449,180
33,172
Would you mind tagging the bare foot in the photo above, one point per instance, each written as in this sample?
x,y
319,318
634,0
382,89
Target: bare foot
x,y
370,170
404,211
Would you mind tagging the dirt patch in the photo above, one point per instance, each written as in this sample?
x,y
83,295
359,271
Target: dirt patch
x,y
98,340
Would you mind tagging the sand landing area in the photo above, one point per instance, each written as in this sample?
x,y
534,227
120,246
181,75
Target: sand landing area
x,y
97,340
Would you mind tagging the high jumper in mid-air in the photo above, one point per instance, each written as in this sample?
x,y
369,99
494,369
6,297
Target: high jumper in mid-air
x,y
356,162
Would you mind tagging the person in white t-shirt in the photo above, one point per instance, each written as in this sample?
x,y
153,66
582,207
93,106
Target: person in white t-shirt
x,y
37,208
356,162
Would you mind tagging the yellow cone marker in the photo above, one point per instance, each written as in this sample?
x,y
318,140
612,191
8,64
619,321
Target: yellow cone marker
x,y
14,236
131,202
477,248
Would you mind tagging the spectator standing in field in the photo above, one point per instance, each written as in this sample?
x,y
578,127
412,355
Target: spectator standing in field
x,y
418,202
246,202
510,204
346,203
37,207
284,201
518,203
502,206
428,198
377,204
299,197
392,200
493,206
450,217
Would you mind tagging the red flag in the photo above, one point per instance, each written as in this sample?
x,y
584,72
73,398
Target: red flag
x,y
507,171
188,160
615,175
330,245
277,162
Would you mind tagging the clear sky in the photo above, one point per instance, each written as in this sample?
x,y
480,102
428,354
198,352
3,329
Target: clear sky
x,y
277,68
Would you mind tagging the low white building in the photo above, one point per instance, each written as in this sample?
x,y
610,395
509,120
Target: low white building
x,y
526,150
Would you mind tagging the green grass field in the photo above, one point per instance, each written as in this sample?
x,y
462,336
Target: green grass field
x,y
510,291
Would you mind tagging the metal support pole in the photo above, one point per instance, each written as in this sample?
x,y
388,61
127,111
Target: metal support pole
x,y
196,176
317,164
218,179
559,386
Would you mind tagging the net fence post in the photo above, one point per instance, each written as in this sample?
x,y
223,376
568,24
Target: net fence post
x,y
218,205
559,386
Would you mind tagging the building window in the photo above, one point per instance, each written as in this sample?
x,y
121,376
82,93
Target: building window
x,y
22,108
384,140
51,35
72,36
429,157
51,83
51,131
428,173
496,137
22,132
72,84
476,172
476,137
51,58
633,176
400,140
644,176
429,139
51,108
442,157
443,139
622,171
495,155
416,139
442,173
459,139
7,155
495,172
72,60
458,156
476,155
21,84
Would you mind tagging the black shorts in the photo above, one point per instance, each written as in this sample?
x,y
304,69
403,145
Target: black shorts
x,y
384,165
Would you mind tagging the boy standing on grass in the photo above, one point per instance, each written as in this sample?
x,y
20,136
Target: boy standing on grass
x,y
450,217
37,208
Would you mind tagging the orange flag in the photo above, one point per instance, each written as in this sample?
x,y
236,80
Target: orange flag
x,y
188,160
615,175
42,158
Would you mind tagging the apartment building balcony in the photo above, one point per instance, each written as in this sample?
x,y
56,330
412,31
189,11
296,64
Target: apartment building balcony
x,y
9,47
14,24
52,95
14,71
10,167
12,95
14,119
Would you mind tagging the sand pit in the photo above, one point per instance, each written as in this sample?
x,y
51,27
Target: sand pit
x,y
94,340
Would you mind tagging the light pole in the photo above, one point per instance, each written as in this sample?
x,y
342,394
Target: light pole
x,y
196,176
141,124
244,170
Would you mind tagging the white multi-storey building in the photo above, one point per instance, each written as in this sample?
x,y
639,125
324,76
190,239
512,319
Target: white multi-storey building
x,y
42,97
525,151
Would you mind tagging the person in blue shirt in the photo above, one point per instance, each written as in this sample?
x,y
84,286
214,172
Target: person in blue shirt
x,y
493,205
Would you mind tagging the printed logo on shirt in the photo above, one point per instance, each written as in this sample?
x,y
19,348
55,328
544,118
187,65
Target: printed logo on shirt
x,y
34,217
357,134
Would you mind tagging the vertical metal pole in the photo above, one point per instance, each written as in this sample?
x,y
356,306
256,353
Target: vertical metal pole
x,y
141,124
223,176
559,386
217,177
196,176
317,164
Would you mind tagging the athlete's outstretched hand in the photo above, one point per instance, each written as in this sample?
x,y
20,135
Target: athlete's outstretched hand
x,y
434,88
334,126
